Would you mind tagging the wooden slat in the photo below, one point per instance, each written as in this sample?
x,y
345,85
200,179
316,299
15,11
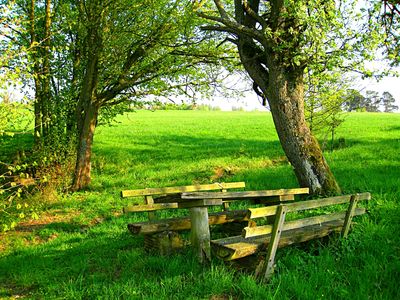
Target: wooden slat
x,y
303,205
178,224
244,195
182,189
200,203
290,225
160,206
149,207
273,200
238,247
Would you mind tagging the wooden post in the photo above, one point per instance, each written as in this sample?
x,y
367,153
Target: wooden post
x,y
273,244
225,204
200,233
151,214
349,215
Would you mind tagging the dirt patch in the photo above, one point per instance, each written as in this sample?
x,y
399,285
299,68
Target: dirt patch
x,y
26,232
45,219
16,292
227,171
221,297
221,172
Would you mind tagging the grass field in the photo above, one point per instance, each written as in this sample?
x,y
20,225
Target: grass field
x,y
81,248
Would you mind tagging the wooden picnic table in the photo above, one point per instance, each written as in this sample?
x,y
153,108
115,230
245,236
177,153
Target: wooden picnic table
x,y
198,203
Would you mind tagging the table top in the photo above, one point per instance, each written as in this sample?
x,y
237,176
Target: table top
x,y
244,195
199,203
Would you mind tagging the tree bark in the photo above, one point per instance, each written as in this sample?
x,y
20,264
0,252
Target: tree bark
x,y
82,175
286,99
46,91
36,74
87,111
284,89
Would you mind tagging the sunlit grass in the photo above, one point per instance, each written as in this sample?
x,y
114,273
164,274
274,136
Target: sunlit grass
x,y
90,254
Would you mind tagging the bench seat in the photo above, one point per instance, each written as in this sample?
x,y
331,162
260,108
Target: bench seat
x,y
183,223
238,247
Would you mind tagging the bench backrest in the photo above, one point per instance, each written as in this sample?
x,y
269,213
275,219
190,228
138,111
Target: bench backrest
x,y
169,196
266,268
254,213
182,189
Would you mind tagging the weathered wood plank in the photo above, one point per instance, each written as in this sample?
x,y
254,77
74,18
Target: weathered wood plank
x,y
149,207
200,203
237,247
178,224
273,200
267,229
302,205
244,195
182,189
163,243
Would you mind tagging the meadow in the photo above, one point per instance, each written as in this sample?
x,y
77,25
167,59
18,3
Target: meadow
x,y
80,247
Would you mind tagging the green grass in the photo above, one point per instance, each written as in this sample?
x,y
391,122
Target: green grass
x,y
87,252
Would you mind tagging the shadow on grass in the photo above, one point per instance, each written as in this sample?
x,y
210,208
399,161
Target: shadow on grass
x,y
165,152
167,149
369,166
95,259
394,128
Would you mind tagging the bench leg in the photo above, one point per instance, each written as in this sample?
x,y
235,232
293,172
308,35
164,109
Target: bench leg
x,y
272,246
349,215
225,204
200,233
151,214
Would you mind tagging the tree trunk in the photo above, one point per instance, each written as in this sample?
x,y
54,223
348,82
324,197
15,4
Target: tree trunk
x,y
46,92
34,55
83,166
268,57
286,100
285,93
87,111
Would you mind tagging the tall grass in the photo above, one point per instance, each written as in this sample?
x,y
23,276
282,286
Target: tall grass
x,y
87,252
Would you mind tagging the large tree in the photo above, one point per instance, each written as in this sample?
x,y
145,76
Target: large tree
x,y
84,58
132,49
278,41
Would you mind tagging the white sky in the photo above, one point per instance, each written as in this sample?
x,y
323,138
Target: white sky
x,y
250,101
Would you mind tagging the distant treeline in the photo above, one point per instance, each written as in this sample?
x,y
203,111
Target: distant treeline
x,y
175,106
371,102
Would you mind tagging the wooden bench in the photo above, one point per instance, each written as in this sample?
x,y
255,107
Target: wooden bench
x,y
197,203
279,234
154,199
161,234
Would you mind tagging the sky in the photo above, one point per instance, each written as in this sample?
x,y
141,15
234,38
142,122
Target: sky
x,y
249,101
